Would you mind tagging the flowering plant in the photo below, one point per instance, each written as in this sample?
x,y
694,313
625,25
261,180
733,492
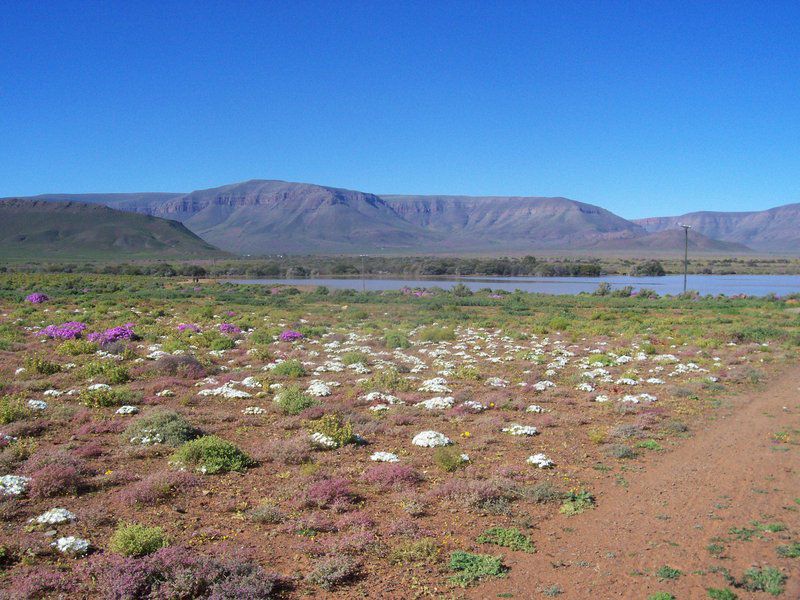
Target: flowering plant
x,y
188,327
37,298
120,332
65,331
290,336
229,328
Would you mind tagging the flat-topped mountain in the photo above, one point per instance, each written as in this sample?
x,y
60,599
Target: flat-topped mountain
x,y
773,230
273,217
58,230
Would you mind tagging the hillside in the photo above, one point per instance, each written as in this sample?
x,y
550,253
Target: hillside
x,y
59,230
671,241
773,230
260,217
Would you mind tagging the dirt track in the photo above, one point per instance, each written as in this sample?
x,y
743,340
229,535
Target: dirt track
x,y
731,473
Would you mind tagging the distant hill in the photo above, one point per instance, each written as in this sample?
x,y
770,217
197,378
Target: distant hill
x,y
259,217
773,230
68,230
672,241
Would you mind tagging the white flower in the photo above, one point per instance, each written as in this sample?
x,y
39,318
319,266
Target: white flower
x,y
541,386
473,405
72,545
99,386
631,399
516,429
534,408
379,408
431,439
127,410
601,398
54,516
20,371
226,391
584,387
541,461
496,382
53,393
165,394
318,389
384,457
437,403
655,381
37,404
626,381
14,485
254,410
251,382
437,385
323,441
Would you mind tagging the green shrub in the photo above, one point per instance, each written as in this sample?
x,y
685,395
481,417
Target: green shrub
x,y
661,596
448,458
721,594
577,502
388,380
768,579
437,334
425,550
666,572
396,339
352,358
39,364
471,568
168,428
290,368
104,397
76,348
13,408
132,539
222,343
293,401
335,428
508,538
790,551
211,455
467,372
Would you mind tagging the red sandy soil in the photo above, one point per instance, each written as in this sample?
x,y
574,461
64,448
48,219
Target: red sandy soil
x,y
729,474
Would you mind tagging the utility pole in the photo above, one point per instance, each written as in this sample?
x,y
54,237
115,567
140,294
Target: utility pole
x,y
686,229
363,276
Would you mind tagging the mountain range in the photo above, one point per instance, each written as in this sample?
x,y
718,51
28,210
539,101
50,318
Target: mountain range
x,y
272,217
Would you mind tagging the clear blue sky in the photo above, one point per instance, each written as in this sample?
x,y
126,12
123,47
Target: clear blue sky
x,y
645,108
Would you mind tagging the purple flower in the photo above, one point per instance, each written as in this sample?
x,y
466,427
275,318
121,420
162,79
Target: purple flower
x,y
229,328
188,327
37,298
230,313
120,332
66,331
290,336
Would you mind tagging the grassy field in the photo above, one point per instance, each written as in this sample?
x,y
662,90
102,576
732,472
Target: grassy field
x,y
239,441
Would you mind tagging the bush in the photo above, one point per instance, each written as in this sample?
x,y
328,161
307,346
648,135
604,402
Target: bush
x,y
790,551
177,573
55,474
168,428
334,427
42,366
390,475
293,401
158,487
181,365
76,348
471,568
396,339
576,502
328,492
332,572
648,268
448,458
425,550
266,513
666,572
388,380
508,538
353,358
13,408
105,397
768,579
290,368
211,455
132,539
541,493
620,451
437,334
721,594
111,372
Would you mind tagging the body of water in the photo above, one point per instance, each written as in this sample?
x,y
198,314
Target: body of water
x,y
730,285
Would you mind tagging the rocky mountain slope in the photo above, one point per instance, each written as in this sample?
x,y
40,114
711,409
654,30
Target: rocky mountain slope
x,y
59,230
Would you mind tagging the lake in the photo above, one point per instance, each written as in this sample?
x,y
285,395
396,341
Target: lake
x,y
752,285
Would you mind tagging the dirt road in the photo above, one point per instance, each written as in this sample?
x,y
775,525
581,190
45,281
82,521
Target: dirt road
x,y
742,471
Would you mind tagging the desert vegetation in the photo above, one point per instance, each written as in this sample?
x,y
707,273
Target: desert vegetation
x,y
160,438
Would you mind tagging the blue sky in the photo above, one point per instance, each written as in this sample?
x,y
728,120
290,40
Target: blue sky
x,y
645,108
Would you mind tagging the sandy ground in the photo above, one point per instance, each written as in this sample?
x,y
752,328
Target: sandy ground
x,y
729,474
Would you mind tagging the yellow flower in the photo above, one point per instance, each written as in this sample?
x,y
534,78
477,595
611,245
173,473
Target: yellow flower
x,y
109,472
466,434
